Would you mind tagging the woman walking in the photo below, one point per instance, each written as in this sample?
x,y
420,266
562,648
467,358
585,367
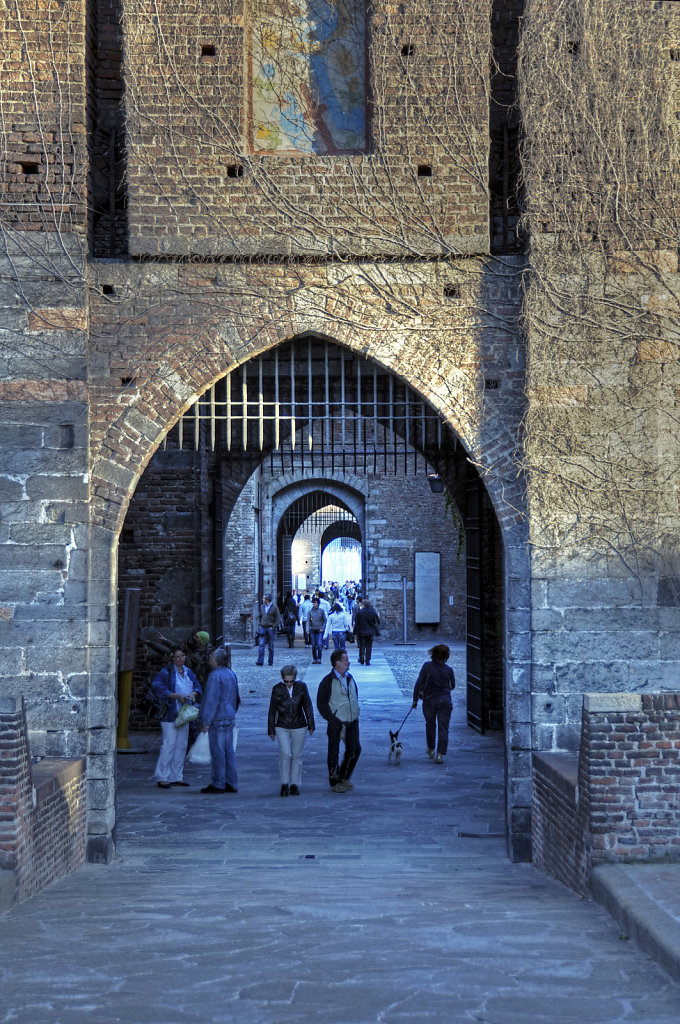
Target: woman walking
x,y
433,686
291,717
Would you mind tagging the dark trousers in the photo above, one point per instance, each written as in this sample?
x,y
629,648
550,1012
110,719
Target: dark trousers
x,y
365,648
437,712
266,639
352,749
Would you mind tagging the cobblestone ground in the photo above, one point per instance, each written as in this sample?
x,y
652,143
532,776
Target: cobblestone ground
x,y
393,903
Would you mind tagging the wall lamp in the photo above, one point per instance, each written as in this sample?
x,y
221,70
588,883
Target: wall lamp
x,y
436,483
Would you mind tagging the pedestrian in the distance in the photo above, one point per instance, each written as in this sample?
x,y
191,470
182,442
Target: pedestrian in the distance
x,y
291,717
433,687
270,620
218,713
366,628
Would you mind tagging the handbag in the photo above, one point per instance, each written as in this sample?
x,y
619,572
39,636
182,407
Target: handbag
x,y
349,636
155,708
187,713
200,750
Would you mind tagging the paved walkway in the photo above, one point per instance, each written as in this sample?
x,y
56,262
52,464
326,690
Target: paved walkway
x,y
350,908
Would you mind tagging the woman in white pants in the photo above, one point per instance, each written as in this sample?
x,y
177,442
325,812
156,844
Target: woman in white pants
x,y
291,717
174,686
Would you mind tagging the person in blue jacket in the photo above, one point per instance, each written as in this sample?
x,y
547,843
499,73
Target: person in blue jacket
x,y
218,713
174,686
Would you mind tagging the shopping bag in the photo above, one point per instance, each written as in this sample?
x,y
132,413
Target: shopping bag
x,y
200,750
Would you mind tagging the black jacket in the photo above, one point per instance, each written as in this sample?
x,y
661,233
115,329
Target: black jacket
x,y
290,711
366,622
436,679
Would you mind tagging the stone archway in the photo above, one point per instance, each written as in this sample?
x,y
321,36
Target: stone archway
x,y
514,571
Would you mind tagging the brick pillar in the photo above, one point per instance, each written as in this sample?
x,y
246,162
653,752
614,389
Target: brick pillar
x,y
16,789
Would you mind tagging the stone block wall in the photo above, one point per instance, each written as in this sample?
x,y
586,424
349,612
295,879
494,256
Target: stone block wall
x,y
616,801
43,808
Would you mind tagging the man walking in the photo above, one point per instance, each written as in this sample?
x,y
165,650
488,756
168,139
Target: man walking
x,y
218,711
316,623
366,627
305,609
270,620
338,702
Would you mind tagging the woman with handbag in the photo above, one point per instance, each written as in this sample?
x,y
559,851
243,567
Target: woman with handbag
x,y
175,686
291,716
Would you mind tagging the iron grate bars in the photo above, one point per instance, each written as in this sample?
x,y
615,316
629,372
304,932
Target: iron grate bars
x,y
312,404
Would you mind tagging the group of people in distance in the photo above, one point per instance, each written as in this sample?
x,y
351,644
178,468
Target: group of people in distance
x,y
290,718
321,620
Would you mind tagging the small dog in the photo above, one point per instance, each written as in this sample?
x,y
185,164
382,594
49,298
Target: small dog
x,y
395,748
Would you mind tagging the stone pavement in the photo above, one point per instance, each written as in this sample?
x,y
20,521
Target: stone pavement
x,y
392,903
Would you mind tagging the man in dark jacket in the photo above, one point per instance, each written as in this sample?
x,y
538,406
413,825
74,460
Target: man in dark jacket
x,y
270,620
366,625
338,702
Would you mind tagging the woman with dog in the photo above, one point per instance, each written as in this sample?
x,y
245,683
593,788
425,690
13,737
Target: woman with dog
x,y
291,716
433,687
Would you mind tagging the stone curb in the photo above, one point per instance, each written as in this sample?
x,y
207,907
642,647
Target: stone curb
x,y
621,890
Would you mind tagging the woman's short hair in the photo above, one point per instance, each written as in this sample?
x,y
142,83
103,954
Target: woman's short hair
x,y
440,652
289,670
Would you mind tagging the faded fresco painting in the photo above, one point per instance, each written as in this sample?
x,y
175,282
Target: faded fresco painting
x,y
308,76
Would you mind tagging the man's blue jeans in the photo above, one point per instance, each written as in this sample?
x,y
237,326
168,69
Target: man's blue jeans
x,y
266,639
221,736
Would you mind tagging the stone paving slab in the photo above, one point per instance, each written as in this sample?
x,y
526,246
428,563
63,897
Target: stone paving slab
x,y
360,908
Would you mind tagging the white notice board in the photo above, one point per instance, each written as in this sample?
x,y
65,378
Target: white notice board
x,y
427,572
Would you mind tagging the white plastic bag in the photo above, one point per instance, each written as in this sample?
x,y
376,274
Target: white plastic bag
x,y
200,750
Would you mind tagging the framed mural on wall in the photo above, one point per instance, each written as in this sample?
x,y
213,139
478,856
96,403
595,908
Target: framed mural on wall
x,y
307,76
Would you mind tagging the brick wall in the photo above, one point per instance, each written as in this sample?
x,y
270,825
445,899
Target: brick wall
x,y
43,808
616,801
195,187
557,838
629,774
42,138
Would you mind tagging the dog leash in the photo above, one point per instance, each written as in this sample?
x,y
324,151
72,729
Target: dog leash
x,y
405,717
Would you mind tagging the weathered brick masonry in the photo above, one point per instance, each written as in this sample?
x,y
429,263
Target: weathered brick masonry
x,y
405,253
617,800
42,808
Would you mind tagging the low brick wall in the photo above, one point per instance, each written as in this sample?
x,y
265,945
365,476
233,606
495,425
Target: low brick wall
x,y
42,808
618,799
557,835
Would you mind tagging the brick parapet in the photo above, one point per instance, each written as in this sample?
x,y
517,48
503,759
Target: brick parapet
x,y
624,805
42,808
